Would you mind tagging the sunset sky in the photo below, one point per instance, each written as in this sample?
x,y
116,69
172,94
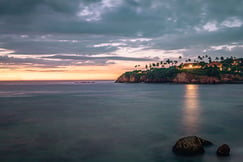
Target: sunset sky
x,y
100,39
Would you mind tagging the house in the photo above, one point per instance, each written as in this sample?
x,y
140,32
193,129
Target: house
x,y
238,61
191,66
215,64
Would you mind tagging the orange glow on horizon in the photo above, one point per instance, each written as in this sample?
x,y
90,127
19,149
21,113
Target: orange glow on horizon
x,y
110,72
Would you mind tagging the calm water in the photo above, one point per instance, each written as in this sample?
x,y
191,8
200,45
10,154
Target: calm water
x,y
108,122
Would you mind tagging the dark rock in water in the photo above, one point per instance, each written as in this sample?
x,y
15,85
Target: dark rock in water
x,y
191,145
223,150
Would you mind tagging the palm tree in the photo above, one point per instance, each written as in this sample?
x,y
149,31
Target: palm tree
x,y
175,61
168,61
199,57
209,59
161,63
222,58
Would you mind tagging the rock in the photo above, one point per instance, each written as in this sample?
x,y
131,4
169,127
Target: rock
x,y
191,145
223,150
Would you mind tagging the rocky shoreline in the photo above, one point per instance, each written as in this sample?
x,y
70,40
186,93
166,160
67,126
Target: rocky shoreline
x,y
181,78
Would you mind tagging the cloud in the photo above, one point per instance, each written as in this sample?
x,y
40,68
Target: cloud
x,y
31,62
94,11
52,44
127,17
107,58
99,32
232,22
210,26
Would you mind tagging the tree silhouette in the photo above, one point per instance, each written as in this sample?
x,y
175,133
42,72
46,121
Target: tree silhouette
x,y
175,61
168,62
199,57
209,59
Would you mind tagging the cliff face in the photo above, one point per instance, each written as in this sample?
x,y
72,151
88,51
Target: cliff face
x,y
135,78
183,77
232,78
191,78
129,78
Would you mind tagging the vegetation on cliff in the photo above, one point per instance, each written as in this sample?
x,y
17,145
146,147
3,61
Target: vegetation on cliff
x,y
225,70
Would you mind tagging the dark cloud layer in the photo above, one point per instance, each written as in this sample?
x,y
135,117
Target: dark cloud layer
x,y
80,27
123,17
64,57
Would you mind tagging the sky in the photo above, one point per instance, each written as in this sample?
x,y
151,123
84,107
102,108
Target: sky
x,y
100,39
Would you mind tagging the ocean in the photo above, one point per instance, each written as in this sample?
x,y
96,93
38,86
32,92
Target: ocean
x,y
103,121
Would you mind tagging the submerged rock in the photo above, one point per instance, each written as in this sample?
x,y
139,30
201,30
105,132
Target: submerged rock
x,y
223,150
191,145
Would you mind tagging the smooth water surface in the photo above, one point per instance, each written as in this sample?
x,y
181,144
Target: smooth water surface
x,y
108,122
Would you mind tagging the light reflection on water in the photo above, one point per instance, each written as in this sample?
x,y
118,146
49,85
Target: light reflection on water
x,y
191,109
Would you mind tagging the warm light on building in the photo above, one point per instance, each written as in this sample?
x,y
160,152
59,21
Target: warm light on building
x,y
191,66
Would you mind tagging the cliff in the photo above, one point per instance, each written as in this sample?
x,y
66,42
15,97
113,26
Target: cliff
x,y
229,70
196,79
179,77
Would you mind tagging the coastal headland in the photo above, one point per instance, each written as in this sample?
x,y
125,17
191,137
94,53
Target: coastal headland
x,y
228,70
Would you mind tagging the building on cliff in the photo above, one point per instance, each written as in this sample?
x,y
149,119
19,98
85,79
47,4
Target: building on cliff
x,y
216,64
191,66
238,61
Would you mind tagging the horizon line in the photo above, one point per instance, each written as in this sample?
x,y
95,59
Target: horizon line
x,y
59,80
